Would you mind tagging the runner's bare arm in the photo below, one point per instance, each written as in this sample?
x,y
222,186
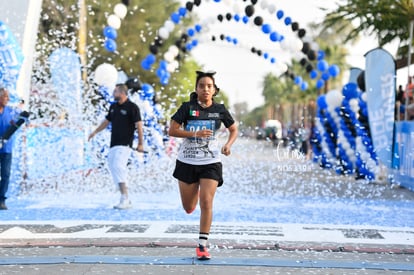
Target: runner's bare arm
x,y
177,131
102,126
232,138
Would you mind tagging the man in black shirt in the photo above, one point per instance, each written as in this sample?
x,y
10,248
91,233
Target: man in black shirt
x,y
125,117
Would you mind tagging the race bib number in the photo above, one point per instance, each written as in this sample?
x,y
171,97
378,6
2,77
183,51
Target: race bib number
x,y
198,125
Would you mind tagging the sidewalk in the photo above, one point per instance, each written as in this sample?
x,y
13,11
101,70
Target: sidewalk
x,y
151,256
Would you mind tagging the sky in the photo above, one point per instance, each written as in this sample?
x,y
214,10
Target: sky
x,y
239,72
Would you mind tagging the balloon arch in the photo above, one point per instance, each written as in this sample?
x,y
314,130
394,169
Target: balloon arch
x,y
189,40
341,138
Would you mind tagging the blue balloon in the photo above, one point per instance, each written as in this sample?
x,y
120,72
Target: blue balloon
x,y
325,76
321,102
228,38
304,86
190,32
245,19
110,45
182,11
321,55
189,46
235,41
320,83
148,90
151,59
274,36
160,72
334,70
198,28
265,55
163,64
217,1
298,80
322,65
272,60
236,17
313,74
266,28
145,64
175,17
110,32
281,38
194,43
164,81
280,14
350,91
288,21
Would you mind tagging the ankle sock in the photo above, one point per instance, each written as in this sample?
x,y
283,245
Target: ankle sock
x,y
202,238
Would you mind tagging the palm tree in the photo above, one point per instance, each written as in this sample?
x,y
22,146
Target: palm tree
x,y
388,20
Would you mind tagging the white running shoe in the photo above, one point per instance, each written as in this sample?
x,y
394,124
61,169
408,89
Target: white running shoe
x,y
123,204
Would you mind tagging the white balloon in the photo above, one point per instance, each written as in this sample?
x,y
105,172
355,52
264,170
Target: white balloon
x,y
298,45
353,103
283,67
263,4
350,152
346,146
169,25
169,56
174,50
364,97
285,44
334,98
120,10
237,9
271,8
171,67
106,75
163,33
227,2
353,158
176,64
371,164
158,107
365,156
114,21
147,107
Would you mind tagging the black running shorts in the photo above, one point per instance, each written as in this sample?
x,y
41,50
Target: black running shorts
x,y
190,173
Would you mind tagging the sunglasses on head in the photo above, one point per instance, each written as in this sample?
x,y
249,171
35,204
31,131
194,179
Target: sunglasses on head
x,y
208,73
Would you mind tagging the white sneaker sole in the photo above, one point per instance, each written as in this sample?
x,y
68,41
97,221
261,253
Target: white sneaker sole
x,y
122,207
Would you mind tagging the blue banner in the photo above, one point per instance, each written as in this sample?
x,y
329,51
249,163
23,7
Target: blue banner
x,y
380,88
404,154
11,60
353,75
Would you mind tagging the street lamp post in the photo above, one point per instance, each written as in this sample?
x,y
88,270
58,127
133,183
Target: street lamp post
x,y
82,35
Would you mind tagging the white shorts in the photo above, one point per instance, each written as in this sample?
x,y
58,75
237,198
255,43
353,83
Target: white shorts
x,y
117,161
